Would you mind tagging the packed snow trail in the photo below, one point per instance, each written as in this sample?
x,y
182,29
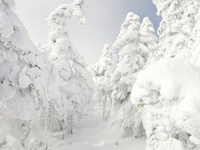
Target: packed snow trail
x,y
94,134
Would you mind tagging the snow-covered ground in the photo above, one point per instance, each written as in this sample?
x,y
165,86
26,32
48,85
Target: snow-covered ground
x,y
93,134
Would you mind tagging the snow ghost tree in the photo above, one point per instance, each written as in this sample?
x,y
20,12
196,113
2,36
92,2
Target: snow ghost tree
x,y
26,87
101,72
123,78
169,89
176,27
147,41
69,68
147,38
166,30
103,68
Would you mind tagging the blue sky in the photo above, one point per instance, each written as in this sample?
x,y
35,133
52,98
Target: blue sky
x,y
105,18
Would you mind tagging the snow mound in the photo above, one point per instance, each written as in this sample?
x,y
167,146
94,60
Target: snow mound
x,y
170,91
174,78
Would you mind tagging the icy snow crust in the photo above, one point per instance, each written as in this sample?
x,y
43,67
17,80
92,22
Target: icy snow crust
x,y
170,90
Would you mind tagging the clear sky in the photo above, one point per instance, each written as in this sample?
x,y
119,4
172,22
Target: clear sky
x,y
105,18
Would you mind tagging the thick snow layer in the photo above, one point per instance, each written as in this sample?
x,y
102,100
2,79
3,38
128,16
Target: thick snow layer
x,y
128,32
173,78
11,3
21,40
64,12
5,25
93,134
170,89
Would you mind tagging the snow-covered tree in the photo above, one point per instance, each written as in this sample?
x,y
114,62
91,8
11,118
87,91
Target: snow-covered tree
x,y
69,70
169,90
123,78
26,87
176,26
147,41
183,41
102,71
166,30
147,38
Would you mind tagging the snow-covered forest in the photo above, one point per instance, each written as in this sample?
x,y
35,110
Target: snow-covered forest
x,y
146,97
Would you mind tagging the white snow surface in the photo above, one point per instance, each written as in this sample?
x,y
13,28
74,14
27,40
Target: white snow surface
x,y
94,134
170,88
174,78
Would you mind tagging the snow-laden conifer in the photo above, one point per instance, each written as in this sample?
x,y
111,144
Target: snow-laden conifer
x,y
124,76
102,71
147,41
69,68
26,87
178,21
